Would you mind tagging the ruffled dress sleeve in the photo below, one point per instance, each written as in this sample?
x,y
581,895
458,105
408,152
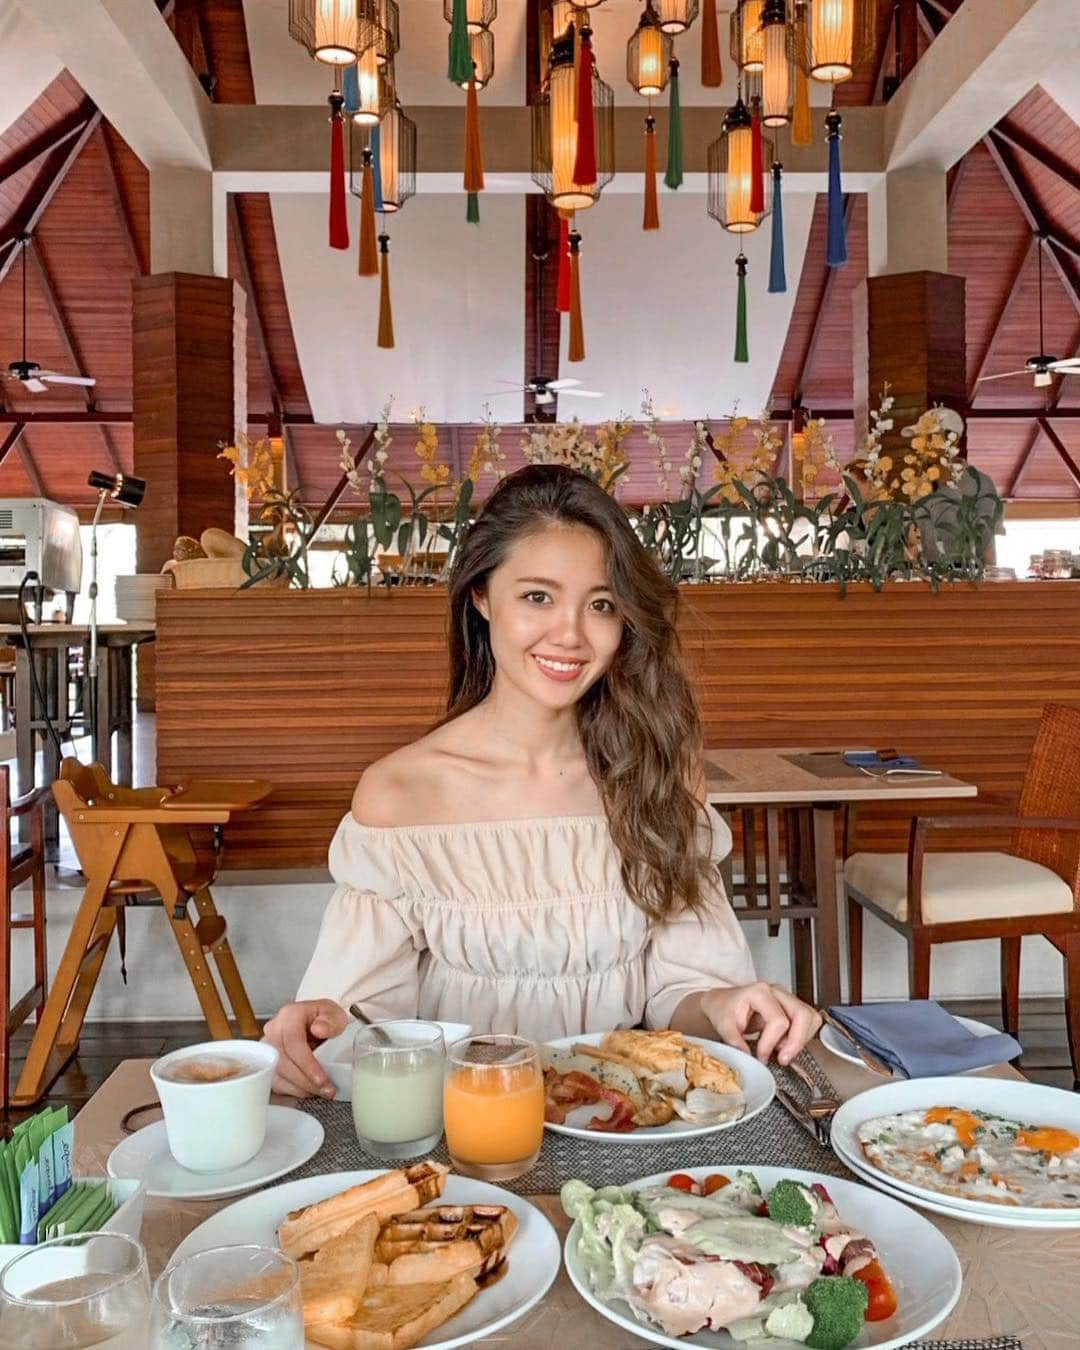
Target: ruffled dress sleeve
x,y
369,944
691,953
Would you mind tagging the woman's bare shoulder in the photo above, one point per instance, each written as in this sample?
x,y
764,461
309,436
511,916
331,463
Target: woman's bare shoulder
x,y
409,786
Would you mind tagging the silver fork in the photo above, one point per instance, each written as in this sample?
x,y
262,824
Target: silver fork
x,y
821,1107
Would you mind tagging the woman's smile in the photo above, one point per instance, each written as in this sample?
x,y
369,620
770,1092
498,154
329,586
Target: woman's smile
x,y
558,669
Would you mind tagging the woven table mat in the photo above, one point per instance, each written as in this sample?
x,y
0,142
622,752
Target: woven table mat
x,y
772,1139
995,1343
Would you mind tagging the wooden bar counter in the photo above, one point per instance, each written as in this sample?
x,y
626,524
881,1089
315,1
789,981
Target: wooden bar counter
x,y
307,688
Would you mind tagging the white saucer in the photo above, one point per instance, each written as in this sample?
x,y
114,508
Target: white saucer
x,y
832,1040
292,1137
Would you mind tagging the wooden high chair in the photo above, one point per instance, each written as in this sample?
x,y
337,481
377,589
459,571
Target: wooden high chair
x,y
134,849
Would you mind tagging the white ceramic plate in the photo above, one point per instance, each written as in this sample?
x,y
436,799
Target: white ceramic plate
x,y
918,1258
1004,1218
335,1055
758,1085
292,1137
832,1040
534,1254
1031,1103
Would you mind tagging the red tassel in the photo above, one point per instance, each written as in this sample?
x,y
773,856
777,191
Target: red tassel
x,y
757,162
576,346
474,161
339,219
585,158
562,294
651,220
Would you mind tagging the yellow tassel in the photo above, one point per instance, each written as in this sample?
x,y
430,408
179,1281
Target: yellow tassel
x,y
577,328
802,124
369,256
652,203
474,159
386,314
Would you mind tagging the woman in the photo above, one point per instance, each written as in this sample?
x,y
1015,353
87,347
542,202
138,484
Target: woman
x,y
541,861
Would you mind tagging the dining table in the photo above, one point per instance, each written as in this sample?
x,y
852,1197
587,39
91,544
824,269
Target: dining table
x,y
809,790
1016,1282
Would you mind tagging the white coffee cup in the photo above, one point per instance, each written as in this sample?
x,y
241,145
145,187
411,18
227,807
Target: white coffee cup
x,y
213,1126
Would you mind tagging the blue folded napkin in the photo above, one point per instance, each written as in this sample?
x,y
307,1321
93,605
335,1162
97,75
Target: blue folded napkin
x,y
870,759
919,1039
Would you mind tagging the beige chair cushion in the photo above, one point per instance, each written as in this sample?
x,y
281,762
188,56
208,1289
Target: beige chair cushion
x,y
961,886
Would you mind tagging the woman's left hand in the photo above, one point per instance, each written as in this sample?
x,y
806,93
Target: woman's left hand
x,y
783,1022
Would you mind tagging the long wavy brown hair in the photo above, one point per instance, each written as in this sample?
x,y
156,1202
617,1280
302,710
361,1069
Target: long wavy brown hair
x,y
639,723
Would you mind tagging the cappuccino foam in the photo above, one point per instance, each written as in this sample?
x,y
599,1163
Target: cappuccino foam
x,y
209,1069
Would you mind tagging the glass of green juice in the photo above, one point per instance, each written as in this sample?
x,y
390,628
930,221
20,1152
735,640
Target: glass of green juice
x,y
397,1087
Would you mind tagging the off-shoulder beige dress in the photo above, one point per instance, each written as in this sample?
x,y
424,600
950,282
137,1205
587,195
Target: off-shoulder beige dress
x,y
516,926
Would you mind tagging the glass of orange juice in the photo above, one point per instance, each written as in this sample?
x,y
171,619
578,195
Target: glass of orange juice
x,y
493,1106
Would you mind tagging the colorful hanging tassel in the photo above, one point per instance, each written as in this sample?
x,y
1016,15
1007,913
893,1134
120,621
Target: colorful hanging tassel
x,y
460,67
742,348
474,158
369,257
802,122
386,316
339,219
712,68
837,249
472,209
350,89
674,176
576,350
777,271
562,293
376,166
585,158
757,160
651,219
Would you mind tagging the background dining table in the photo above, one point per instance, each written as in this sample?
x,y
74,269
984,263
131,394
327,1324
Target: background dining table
x,y
1018,1282
808,790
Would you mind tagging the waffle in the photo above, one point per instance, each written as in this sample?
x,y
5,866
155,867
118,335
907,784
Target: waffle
x,y
398,1192
443,1241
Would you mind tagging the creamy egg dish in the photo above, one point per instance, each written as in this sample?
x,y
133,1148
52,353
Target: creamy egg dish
x,y
976,1155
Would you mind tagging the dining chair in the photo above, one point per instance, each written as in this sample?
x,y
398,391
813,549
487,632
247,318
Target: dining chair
x,y
24,862
1031,888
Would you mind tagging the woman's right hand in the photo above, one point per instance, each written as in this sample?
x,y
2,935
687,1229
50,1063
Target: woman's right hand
x,y
294,1031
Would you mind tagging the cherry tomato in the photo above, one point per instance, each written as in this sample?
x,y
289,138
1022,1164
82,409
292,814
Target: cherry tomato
x,y
882,1295
716,1182
681,1182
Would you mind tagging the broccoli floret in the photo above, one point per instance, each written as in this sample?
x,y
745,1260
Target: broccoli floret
x,y
793,1204
837,1304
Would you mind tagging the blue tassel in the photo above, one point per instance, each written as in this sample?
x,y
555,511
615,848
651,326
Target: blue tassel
x,y
777,271
350,89
376,167
836,255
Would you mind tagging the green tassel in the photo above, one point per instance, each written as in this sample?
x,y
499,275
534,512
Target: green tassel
x,y
460,67
472,209
742,346
674,176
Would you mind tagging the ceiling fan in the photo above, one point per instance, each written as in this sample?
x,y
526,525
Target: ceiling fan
x,y
1042,366
28,373
544,391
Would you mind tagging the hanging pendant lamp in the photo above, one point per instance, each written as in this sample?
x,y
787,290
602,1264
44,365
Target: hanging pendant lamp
x,y
648,55
374,89
380,27
555,133
747,37
329,29
839,38
676,16
482,54
393,150
778,73
731,173
479,14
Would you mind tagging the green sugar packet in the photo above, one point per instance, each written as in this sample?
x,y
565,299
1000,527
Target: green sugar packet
x,y
10,1181
62,1207
9,1227
81,1217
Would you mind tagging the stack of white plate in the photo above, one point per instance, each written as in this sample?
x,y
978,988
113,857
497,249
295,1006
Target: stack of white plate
x,y
1013,1098
135,595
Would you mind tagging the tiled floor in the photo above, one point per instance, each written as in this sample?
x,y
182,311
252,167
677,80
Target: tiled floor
x,y
106,1044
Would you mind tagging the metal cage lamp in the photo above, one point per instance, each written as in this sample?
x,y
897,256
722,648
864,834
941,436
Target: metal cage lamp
x,y
839,37
478,13
778,70
329,29
730,173
747,37
394,162
482,52
648,55
554,133
375,88
380,27
676,16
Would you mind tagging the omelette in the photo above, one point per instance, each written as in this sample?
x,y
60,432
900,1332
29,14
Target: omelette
x,y
975,1155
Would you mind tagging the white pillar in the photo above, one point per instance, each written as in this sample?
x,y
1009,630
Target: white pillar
x,y
182,221
907,222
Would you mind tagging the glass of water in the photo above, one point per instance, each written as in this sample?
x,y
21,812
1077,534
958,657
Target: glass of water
x,y
91,1289
246,1298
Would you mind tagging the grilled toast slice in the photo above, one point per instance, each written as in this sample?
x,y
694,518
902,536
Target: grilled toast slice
x,y
398,1192
396,1317
332,1285
444,1241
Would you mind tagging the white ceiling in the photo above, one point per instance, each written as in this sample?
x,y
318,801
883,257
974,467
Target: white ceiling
x,y
29,62
659,308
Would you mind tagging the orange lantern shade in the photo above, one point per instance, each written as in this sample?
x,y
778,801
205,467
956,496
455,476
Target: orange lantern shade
x,y
648,55
730,174
747,36
329,29
839,38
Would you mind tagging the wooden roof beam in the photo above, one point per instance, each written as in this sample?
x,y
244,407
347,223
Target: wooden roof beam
x,y
1025,459
50,139
1004,309
807,364
1059,445
11,440
29,463
1042,154
140,264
